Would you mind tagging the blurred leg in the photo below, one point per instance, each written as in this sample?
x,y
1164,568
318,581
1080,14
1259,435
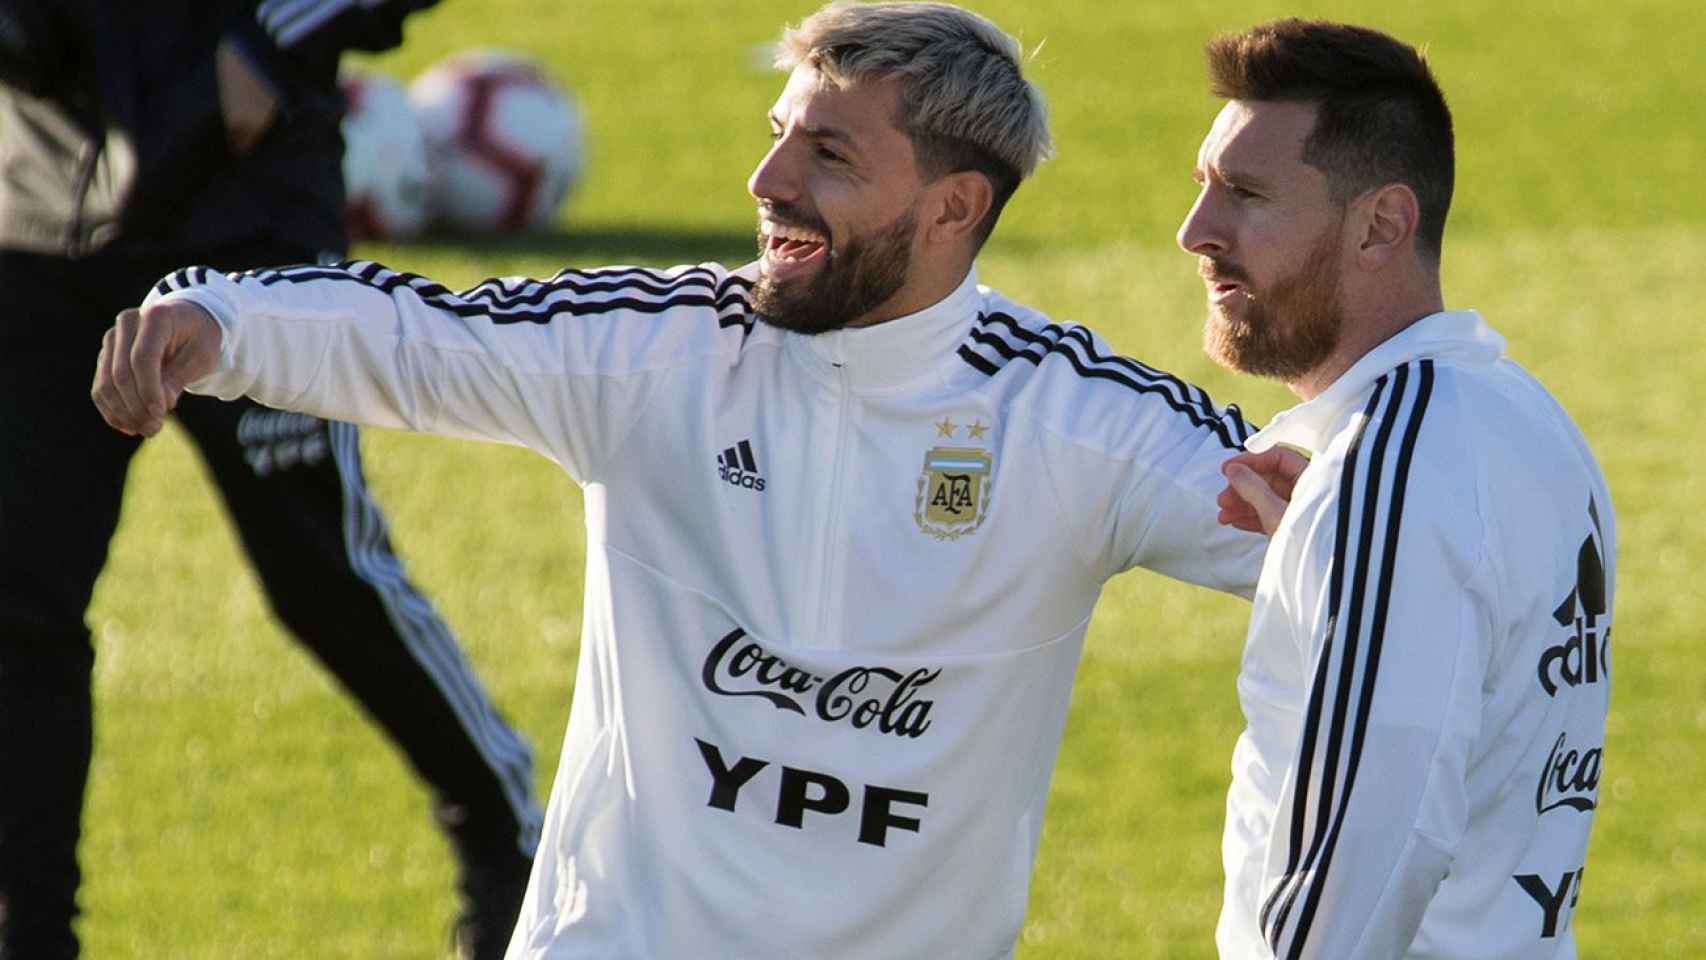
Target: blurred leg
x,y
295,489
61,481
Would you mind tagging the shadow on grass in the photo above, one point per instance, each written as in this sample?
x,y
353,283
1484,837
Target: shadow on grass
x,y
585,245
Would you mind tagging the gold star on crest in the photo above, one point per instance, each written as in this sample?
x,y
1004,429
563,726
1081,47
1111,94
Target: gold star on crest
x,y
946,427
977,429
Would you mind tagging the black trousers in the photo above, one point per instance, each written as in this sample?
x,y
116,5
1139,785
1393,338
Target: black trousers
x,y
293,486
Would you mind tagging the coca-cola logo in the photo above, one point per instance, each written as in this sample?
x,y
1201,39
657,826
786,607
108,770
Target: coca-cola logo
x,y
1570,778
864,697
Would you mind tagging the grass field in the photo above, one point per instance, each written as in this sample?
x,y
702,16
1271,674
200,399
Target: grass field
x,y
240,806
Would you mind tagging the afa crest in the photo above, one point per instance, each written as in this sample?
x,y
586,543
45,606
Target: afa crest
x,y
953,491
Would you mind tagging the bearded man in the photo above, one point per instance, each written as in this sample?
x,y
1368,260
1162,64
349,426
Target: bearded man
x,y
848,511
1426,675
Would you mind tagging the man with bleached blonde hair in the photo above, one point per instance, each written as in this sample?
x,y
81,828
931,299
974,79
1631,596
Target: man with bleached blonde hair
x,y
972,123
848,511
965,105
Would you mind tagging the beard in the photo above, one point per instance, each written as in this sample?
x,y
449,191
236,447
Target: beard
x,y
1289,329
852,282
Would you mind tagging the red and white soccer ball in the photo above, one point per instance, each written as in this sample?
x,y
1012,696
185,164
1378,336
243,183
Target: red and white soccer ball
x,y
503,141
385,159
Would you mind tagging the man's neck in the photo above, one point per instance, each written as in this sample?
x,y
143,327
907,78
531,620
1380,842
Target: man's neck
x,y
926,288
1365,329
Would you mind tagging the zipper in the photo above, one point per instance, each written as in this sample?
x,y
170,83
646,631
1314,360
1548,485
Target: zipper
x,y
831,553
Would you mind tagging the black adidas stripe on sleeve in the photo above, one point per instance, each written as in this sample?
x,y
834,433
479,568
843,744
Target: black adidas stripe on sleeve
x,y
998,339
179,279
574,293
1349,662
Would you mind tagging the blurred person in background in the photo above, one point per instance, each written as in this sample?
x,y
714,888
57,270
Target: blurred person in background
x,y
1427,671
135,137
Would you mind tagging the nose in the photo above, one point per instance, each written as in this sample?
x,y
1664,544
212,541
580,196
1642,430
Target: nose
x,y
775,179
1202,233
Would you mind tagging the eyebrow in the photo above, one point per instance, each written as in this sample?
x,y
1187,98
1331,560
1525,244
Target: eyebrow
x,y
821,133
1233,177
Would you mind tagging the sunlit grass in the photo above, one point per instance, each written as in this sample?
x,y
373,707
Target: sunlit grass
x,y
240,806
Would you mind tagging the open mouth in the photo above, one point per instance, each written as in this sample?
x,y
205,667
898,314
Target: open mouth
x,y
1222,290
790,249
1222,284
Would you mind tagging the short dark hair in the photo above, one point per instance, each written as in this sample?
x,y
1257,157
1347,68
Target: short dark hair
x,y
1380,116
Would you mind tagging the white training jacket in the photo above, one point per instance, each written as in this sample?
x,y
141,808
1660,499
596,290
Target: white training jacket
x,y
1427,670
836,586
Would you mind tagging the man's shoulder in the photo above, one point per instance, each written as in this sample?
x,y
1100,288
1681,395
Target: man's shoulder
x,y
1069,378
1460,446
1464,419
1409,423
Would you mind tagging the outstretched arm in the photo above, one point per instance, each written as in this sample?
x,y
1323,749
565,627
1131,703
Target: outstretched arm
x,y
563,365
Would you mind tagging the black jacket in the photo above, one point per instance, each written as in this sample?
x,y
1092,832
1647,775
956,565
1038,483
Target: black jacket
x,y
111,136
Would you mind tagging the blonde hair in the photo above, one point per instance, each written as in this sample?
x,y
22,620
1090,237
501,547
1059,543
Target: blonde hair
x,y
964,101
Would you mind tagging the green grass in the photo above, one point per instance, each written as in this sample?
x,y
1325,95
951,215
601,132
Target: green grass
x,y
241,807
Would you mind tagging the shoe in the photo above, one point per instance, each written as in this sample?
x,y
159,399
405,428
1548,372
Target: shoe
x,y
491,901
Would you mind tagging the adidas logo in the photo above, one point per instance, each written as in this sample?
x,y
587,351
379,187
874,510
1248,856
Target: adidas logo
x,y
739,468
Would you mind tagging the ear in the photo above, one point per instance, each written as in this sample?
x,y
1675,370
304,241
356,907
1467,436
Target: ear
x,y
1387,220
959,202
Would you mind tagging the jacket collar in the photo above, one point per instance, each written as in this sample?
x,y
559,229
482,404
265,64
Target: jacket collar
x,y
1458,336
892,354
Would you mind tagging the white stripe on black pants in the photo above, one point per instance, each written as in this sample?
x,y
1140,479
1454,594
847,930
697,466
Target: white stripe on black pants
x,y
324,555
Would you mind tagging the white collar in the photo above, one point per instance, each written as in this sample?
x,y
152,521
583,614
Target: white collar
x,y
1460,336
893,353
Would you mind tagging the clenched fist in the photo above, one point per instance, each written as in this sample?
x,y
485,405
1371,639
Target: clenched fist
x,y
147,358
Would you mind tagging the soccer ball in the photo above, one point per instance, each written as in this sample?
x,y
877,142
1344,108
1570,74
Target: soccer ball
x,y
385,159
503,141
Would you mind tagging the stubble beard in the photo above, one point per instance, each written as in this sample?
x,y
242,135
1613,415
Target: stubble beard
x,y
1289,329
853,281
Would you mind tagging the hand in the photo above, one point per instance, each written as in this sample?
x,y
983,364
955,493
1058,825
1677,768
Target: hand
x,y
147,358
1258,488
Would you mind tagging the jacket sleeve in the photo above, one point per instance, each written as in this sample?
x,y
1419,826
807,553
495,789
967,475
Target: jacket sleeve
x,y
1166,478
1382,573
1167,520
288,38
315,29
563,366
